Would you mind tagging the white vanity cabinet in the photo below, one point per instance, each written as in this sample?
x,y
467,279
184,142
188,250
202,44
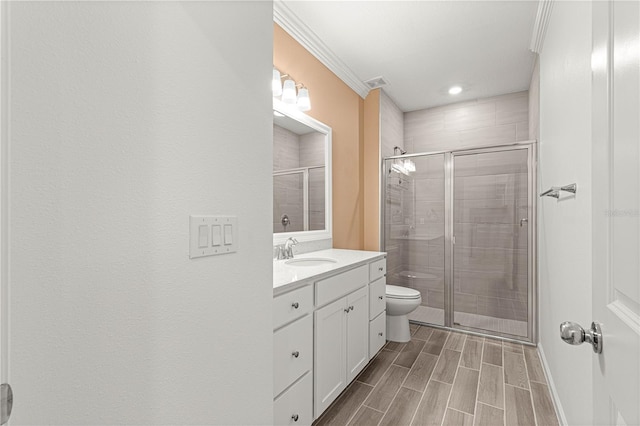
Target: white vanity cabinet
x,y
340,315
341,346
293,357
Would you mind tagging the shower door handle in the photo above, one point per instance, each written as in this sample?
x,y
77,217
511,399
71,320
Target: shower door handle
x,y
523,220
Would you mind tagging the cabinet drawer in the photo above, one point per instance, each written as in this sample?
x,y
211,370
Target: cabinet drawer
x,y
377,269
292,353
290,306
294,407
339,285
377,333
377,299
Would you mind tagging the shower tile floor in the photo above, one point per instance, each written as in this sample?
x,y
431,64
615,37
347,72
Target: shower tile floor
x,y
430,315
447,378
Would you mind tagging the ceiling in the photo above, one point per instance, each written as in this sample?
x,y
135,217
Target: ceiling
x,y
422,48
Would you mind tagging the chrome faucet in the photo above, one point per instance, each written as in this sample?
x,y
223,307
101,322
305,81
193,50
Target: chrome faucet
x,y
288,248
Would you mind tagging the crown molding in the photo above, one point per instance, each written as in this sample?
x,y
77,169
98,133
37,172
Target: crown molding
x,y
293,25
540,26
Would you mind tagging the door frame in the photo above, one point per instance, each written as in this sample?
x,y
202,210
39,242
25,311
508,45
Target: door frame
x,y
532,257
4,190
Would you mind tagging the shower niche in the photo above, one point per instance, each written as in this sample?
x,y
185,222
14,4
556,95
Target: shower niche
x,y
460,229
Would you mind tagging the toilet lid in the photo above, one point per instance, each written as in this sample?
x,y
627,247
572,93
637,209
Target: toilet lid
x,y
397,292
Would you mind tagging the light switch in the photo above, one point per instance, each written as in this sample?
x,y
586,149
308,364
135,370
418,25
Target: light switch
x,y
203,236
212,235
216,235
228,235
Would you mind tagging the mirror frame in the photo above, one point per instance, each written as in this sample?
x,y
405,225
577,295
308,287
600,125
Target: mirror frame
x,y
327,233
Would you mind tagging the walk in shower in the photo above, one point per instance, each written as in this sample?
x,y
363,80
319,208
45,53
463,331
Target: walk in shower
x,y
459,227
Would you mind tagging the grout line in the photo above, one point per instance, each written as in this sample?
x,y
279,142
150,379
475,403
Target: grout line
x,y
454,409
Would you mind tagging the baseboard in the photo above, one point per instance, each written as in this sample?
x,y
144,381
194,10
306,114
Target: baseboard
x,y
552,387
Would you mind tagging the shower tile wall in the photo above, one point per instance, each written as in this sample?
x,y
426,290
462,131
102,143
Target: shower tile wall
x,y
391,135
312,154
424,246
472,124
287,190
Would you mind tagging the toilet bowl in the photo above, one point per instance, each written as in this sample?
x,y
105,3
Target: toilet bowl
x,y
400,302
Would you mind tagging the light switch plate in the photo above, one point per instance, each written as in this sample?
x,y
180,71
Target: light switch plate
x,y
214,245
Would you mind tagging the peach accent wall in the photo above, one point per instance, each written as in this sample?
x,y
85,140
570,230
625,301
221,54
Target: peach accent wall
x,y
337,105
372,171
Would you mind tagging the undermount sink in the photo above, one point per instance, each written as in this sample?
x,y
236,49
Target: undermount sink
x,y
315,261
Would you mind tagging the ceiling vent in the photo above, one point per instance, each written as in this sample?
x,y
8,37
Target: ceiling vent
x,y
376,82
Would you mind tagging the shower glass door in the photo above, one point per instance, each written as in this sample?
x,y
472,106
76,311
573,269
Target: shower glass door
x,y
491,271
414,231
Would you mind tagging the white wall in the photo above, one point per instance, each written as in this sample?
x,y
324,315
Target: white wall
x,y
125,118
565,226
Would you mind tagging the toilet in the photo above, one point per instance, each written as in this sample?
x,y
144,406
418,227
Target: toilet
x,y
400,302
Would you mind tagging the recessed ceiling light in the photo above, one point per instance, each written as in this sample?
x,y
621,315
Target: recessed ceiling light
x,y
455,90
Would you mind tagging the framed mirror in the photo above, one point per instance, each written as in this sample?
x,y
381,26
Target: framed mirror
x,y
301,176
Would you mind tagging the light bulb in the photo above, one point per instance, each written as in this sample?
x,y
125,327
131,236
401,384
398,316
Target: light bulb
x,y
276,83
304,103
289,92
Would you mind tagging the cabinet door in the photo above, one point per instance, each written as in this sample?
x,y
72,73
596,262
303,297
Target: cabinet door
x,y
357,332
329,355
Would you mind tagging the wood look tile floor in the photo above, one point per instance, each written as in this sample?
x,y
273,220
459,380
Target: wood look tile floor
x,y
447,378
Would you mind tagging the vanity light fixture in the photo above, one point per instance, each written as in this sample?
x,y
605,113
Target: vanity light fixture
x,y
288,93
455,90
276,83
304,103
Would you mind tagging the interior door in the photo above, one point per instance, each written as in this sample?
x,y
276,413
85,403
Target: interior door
x,y
616,210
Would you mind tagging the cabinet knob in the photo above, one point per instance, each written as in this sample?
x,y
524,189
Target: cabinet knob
x,y
295,305
380,334
351,308
347,310
380,297
295,354
295,417
381,269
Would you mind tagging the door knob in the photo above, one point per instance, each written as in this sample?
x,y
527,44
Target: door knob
x,y
523,221
573,334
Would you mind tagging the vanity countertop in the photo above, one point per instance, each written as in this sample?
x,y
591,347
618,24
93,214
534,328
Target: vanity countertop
x,y
288,277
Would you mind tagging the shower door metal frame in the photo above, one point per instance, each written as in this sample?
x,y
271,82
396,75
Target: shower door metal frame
x,y
531,238
532,257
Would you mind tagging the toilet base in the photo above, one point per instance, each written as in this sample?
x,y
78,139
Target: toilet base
x,y
398,328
